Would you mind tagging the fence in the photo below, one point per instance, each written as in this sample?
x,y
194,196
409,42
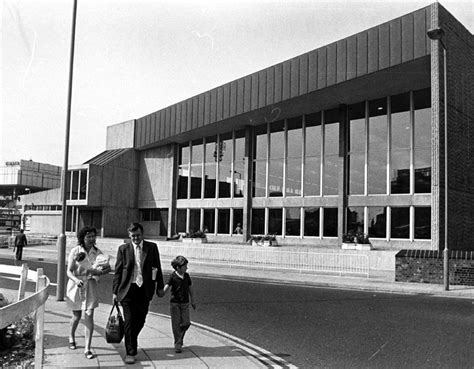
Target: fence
x,y
24,306
266,258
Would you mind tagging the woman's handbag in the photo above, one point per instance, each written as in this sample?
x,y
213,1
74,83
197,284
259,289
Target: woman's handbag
x,y
114,330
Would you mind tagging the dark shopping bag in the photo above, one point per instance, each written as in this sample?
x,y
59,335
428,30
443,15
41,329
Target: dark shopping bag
x,y
114,330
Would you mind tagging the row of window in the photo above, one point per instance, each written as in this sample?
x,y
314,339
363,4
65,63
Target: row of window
x,y
76,184
388,152
43,207
408,222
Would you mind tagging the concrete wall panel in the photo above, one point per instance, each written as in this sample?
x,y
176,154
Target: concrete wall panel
x,y
362,53
331,63
372,50
270,84
303,60
351,57
313,71
286,85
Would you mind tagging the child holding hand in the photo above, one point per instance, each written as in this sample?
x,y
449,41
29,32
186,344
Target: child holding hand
x,y
181,296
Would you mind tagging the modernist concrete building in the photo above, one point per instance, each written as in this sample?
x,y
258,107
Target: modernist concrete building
x,y
350,135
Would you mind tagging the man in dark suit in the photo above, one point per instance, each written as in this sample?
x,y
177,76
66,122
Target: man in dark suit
x,y
137,276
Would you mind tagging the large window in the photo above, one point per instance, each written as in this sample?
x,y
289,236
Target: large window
x,y
196,169
330,222
223,221
331,152
313,144
213,155
239,164
183,171
311,222
357,149
275,217
224,157
400,143
260,161
276,159
422,223
377,221
258,221
293,221
400,225
377,150
294,157
422,134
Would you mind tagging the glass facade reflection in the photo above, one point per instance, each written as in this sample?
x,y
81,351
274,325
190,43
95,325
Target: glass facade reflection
x,y
297,162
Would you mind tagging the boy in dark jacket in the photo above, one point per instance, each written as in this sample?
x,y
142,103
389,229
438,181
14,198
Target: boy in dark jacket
x,y
181,296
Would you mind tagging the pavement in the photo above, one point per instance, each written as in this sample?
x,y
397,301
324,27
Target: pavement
x,y
204,346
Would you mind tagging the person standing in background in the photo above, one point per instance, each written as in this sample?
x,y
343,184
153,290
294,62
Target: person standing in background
x,y
20,242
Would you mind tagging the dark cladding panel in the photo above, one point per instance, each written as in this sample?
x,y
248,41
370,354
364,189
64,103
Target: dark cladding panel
x,y
286,80
322,67
312,71
262,88
254,92
278,83
220,103
201,100
226,102
372,50
189,114
395,42
247,93
351,57
194,122
341,53
162,123
184,115
407,38
270,85
178,118
384,46
331,64
233,99
240,96
294,77
419,33
362,54
148,137
167,122
303,73
173,121
207,108
213,105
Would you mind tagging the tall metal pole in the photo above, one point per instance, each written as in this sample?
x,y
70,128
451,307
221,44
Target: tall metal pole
x,y
445,252
62,237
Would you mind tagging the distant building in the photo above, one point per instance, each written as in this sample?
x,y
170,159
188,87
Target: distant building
x,y
23,177
346,136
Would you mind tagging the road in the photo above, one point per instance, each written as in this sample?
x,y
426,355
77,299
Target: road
x,y
329,328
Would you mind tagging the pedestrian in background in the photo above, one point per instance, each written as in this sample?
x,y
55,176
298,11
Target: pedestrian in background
x,y
20,242
137,276
182,295
85,264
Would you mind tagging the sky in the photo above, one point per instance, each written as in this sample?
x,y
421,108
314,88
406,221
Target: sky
x,y
134,57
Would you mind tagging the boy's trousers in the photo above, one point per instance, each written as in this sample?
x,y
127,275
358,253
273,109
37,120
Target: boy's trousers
x,y
180,321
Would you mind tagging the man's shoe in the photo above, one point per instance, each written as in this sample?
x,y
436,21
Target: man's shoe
x,y
178,348
129,359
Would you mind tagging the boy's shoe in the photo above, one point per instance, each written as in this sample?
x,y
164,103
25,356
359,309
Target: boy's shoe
x,y
178,348
129,359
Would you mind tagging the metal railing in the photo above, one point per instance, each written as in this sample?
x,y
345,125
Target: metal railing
x,y
264,258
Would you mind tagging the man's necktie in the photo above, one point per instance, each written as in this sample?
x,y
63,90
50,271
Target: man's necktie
x,y
138,266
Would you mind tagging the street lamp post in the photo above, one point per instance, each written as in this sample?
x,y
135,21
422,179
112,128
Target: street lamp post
x,y
437,34
62,237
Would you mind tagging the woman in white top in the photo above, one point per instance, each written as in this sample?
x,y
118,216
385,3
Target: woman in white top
x,y
84,268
